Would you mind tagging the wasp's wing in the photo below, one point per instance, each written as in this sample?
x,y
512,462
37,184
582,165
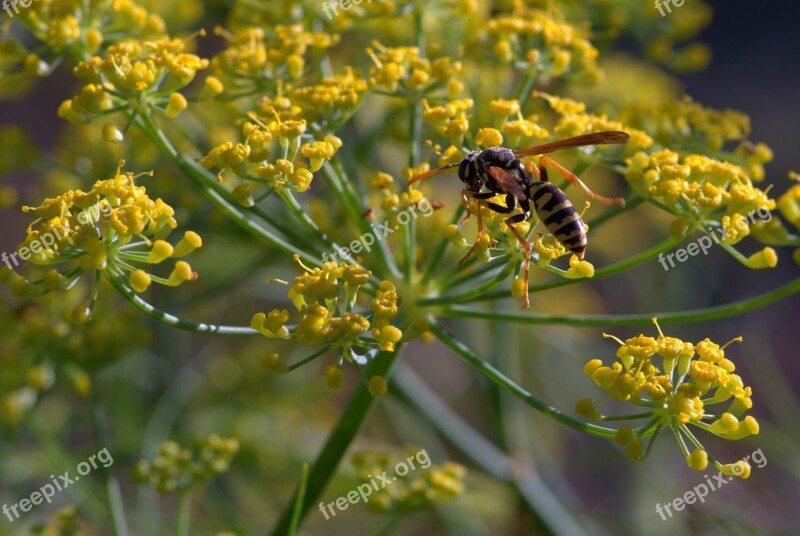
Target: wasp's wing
x,y
507,182
430,173
605,137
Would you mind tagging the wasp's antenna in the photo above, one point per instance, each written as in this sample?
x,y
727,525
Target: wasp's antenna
x,y
430,173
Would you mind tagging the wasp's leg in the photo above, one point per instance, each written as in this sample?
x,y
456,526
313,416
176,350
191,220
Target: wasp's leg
x,y
574,180
534,170
465,202
465,195
519,218
464,198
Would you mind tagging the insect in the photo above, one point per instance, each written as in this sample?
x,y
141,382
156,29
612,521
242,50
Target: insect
x,y
501,171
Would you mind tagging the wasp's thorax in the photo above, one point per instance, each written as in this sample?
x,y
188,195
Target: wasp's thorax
x,y
473,170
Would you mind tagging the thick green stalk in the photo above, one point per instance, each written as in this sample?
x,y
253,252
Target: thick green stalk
x,y
354,415
698,315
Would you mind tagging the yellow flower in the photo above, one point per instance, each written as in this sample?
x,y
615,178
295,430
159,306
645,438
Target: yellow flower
x,y
488,137
94,229
676,397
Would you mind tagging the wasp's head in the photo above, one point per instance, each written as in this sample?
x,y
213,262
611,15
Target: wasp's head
x,y
471,173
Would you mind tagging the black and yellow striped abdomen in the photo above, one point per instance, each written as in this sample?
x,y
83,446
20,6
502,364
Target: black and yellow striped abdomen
x,y
559,216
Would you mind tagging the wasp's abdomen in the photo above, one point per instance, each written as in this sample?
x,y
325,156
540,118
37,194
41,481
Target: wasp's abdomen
x,y
559,216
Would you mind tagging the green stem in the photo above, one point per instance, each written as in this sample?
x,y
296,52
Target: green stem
x,y
451,279
679,437
606,271
697,315
353,417
338,182
438,253
184,514
510,386
525,89
301,495
308,359
117,280
628,417
303,217
100,422
475,292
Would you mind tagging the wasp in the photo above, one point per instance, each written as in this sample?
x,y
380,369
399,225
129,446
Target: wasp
x,y
501,171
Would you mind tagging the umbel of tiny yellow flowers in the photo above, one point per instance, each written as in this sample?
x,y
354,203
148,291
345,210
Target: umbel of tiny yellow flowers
x,y
536,42
326,299
135,76
258,57
674,382
177,470
271,154
109,229
403,71
413,481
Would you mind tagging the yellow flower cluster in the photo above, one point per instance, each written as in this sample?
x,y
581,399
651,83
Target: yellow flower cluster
x,y
789,207
424,485
542,44
574,121
688,125
177,470
518,130
318,295
64,23
691,378
249,159
135,75
379,10
96,229
658,33
705,184
384,307
450,121
324,106
257,58
403,71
